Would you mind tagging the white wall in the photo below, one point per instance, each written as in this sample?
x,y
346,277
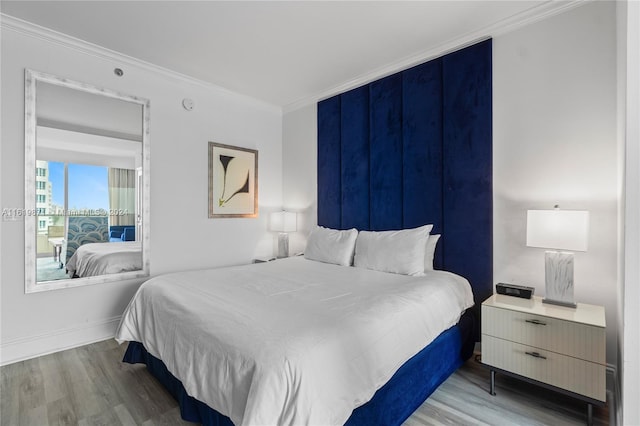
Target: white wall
x,y
554,142
182,237
629,299
299,175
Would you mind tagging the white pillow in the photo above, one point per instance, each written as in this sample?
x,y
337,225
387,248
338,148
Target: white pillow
x,y
430,251
400,252
331,245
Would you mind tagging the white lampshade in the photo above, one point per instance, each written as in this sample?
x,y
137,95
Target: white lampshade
x,y
558,229
284,221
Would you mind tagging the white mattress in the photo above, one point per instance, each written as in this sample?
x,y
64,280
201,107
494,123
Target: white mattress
x,y
292,341
105,258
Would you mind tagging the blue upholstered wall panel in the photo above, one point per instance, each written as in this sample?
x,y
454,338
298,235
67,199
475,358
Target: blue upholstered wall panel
x,y
423,157
467,164
355,158
422,147
385,156
329,173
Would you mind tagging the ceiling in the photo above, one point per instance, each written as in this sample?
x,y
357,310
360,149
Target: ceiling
x,y
277,51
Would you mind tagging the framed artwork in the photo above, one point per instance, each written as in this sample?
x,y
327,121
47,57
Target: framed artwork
x,y
233,181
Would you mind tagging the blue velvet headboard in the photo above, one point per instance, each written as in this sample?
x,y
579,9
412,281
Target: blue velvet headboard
x,y
415,148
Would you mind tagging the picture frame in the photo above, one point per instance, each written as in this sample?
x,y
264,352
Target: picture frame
x,y
233,181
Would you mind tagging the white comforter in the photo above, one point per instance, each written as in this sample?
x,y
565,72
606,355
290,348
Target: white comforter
x,y
105,258
292,341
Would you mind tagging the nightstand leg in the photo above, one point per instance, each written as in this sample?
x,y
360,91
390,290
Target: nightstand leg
x,y
492,383
589,414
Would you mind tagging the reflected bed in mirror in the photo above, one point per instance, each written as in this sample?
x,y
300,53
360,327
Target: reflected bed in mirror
x,y
86,182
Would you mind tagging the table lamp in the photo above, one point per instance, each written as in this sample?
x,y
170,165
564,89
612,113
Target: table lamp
x,y
283,222
556,229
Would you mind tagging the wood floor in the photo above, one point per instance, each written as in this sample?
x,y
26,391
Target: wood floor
x,y
91,386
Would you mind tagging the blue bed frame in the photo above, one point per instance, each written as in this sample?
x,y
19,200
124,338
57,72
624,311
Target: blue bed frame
x,y
392,404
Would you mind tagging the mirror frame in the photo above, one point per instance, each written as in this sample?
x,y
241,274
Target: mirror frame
x,y
30,135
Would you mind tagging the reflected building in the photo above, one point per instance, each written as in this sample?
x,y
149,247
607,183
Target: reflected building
x,y
44,196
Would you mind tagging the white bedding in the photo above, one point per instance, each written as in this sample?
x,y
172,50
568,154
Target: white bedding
x,y
105,258
292,341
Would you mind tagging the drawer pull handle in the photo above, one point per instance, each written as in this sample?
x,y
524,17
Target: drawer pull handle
x,y
536,322
536,355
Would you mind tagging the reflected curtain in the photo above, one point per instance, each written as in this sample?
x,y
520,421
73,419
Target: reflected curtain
x,y
122,196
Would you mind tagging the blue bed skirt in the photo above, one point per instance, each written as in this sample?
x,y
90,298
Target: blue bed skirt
x,y
392,404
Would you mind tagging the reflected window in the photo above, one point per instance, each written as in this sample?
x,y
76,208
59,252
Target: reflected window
x,y
77,204
87,191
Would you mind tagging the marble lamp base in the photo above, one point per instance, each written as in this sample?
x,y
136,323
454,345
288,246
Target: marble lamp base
x,y
283,245
558,269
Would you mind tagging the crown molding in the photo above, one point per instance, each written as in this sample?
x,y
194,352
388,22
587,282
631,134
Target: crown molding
x,y
507,25
84,47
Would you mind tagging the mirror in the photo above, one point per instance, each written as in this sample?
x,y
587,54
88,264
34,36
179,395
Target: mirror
x,y
86,184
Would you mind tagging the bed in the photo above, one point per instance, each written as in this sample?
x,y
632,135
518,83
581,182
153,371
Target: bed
x,y
338,335
105,258
410,149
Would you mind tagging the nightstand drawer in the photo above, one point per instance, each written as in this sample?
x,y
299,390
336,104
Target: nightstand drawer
x,y
575,375
578,340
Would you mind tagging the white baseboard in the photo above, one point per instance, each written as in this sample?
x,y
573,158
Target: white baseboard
x,y
46,343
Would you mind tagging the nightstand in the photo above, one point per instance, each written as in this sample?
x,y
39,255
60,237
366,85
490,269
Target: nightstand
x,y
552,346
